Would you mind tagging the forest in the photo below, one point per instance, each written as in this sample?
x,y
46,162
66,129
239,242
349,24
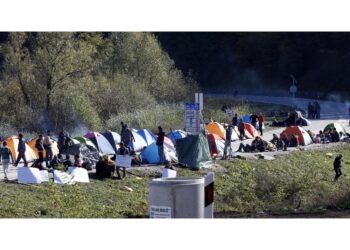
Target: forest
x,y
53,80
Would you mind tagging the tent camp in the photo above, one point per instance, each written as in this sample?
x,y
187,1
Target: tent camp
x,y
147,135
303,136
216,145
139,142
338,127
251,130
113,138
12,143
100,142
80,139
193,150
32,142
216,128
176,134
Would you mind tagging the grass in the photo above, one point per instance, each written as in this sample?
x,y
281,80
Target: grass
x,y
301,182
172,115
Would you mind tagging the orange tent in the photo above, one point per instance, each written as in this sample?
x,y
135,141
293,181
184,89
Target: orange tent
x,y
303,136
216,128
12,143
31,144
251,130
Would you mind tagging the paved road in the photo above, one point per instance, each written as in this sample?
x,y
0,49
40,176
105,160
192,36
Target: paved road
x,y
330,111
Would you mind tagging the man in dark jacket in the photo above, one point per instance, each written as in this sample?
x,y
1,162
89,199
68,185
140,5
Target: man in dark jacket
x,y
21,151
337,167
39,145
126,134
61,142
159,143
241,129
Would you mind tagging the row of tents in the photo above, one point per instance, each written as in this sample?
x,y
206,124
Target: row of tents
x,y
179,146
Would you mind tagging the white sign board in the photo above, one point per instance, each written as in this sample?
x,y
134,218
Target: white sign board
x,y
192,118
28,175
123,161
229,112
80,175
158,212
168,173
62,177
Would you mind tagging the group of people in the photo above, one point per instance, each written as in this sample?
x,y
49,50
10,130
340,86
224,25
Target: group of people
x,y
314,110
328,137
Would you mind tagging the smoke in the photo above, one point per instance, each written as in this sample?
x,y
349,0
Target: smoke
x,y
79,130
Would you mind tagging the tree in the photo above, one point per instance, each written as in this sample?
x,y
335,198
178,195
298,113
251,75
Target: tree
x,y
60,59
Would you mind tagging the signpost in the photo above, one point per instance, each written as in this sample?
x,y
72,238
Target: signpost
x,y
192,118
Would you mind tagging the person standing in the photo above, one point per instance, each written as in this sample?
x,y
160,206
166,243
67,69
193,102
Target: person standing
x,y
48,148
160,145
39,145
21,151
261,123
126,134
227,142
5,155
241,129
121,151
253,120
337,166
235,120
61,142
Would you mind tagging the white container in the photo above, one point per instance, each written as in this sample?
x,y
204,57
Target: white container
x,y
177,198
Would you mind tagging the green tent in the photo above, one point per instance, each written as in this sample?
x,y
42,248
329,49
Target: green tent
x,y
335,125
193,150
85,141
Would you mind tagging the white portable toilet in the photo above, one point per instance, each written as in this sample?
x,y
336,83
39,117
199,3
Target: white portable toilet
x,y
177,197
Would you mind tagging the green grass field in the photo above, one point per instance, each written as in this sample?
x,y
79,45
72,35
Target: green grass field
x,y
301,182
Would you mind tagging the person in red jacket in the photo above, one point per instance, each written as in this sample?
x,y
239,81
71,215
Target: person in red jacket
x,y
261,123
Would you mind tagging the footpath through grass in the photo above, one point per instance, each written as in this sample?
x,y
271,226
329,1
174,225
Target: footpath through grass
x,y
301,182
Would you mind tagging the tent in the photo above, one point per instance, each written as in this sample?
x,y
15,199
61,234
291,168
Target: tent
x,y
303,122
303,136
147,135
139,142
193,150
32,142
113,138
216,144
100,142
80,139
176,134
245,118
251,130
216,128
12,143
150,154
86,151
338,127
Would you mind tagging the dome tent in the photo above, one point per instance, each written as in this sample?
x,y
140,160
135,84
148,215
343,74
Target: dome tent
x,y
100,142
303,136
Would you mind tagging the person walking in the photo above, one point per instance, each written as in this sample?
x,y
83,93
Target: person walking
x,y
21,151
337,166
48,148
228,145
241,129
39,145
160,145
5,157
261,123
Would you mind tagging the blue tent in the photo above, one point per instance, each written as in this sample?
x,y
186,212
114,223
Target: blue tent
x,y
147,135
176,134
150,154
245,118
